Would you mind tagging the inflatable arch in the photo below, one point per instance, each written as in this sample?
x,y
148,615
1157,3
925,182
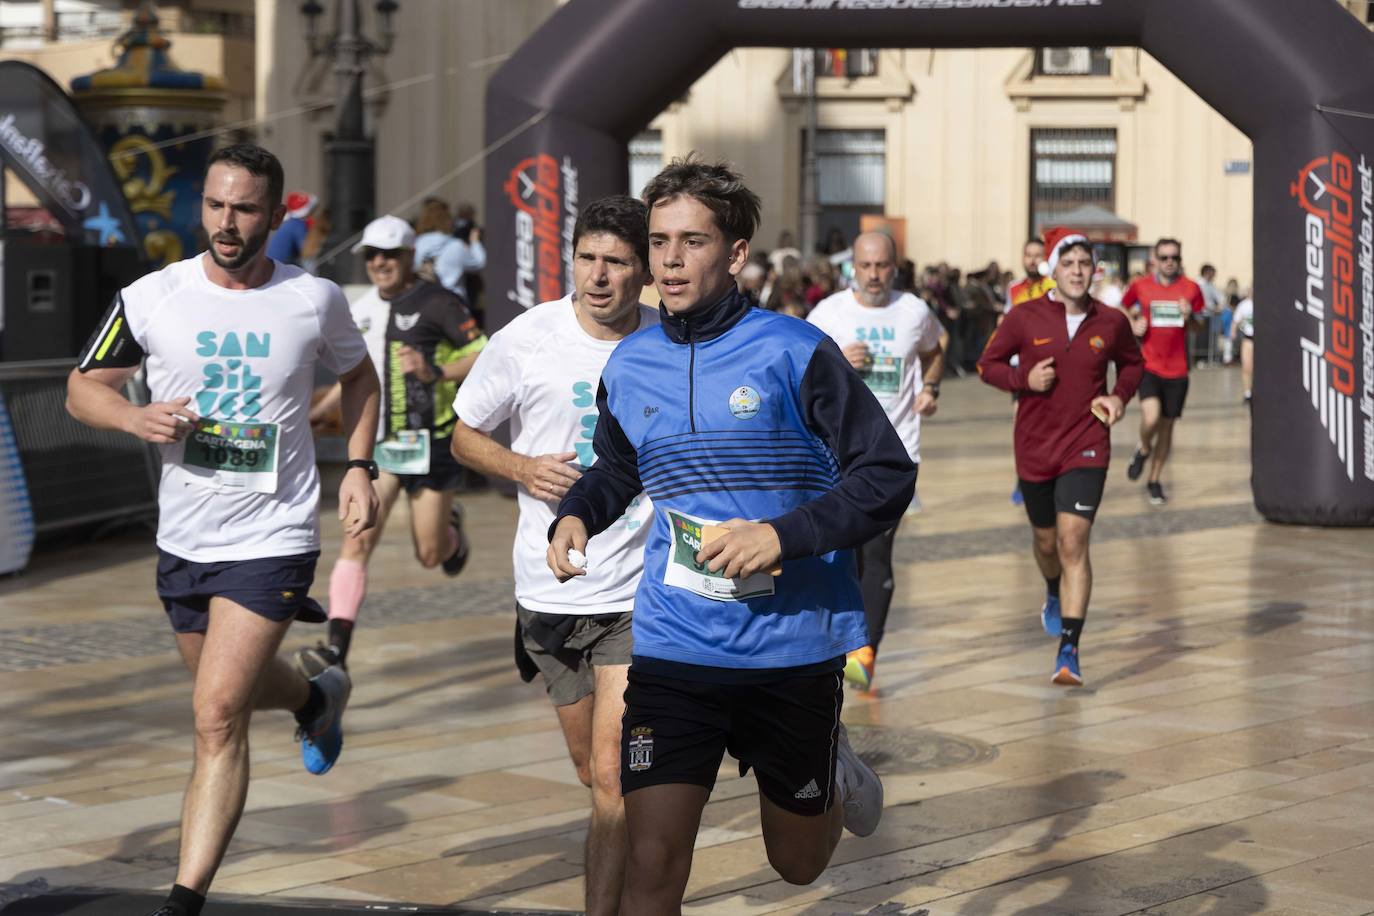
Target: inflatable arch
x,y
1299,81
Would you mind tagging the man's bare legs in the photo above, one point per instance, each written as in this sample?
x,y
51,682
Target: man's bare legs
x,y
800,846
576,721
662,823
430,528
1159,451
1071,551
348,578
1150,409
607,840
235,670
1046,549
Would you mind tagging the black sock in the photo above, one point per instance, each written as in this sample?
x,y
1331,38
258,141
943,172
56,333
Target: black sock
x,y
1052,586
312,708
340,635
189,901
1069,631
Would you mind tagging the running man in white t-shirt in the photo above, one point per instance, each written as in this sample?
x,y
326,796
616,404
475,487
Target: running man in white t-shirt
x,y
541,372
895,342
423,341
230,340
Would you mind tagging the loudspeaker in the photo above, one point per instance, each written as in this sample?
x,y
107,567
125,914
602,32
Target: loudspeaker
x,y
38,282
54,295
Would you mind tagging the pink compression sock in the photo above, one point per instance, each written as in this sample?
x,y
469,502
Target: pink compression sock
x,y
347,589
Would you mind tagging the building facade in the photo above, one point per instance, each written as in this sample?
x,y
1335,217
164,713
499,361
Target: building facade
x,y
977,149
973,149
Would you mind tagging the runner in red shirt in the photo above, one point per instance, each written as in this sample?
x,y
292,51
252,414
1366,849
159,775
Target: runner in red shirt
x,y
1062,440
1162,308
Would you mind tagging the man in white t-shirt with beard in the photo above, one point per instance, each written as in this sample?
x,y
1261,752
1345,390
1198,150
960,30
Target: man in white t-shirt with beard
x,y
231,339
541,372
895,342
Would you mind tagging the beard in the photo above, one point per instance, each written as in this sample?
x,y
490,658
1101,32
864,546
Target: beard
x,y
248,249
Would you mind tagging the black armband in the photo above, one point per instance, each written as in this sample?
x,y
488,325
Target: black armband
x,y
112,346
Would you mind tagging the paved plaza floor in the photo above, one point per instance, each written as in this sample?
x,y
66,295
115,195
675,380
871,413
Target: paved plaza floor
x,y
1219,760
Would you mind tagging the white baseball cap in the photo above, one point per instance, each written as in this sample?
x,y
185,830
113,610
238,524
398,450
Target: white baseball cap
x,y
386,233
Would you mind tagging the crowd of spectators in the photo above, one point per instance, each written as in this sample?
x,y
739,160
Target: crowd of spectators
x,y
969,303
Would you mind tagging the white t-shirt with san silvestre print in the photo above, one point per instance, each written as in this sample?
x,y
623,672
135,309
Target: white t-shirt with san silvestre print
x,y
246,358
542,372
896,335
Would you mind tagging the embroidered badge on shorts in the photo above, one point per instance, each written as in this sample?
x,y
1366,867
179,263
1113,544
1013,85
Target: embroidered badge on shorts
x,y
744,403
641,749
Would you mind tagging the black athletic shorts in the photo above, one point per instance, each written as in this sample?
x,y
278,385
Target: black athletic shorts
x,y
1078,492
445,473
277,588
1171,392
676,732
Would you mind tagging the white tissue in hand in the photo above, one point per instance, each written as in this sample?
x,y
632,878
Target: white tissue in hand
x,y
577,558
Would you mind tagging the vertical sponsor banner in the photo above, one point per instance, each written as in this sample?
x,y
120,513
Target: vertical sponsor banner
x,y
50,148
1313,433
537,184
16,513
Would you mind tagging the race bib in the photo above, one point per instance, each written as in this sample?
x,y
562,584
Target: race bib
x,y
1166,314
884,374
689,535
238,456
405,452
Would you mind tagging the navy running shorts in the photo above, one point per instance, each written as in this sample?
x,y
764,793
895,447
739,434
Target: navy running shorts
x,y
277,588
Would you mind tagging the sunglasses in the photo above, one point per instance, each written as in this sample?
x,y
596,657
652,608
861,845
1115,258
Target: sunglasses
x,y
391,254
1168,257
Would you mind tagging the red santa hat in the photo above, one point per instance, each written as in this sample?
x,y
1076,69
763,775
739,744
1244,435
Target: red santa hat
x,y
300,204
1059,238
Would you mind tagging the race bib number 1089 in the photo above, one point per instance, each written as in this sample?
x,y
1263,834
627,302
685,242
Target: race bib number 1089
x,y
239,456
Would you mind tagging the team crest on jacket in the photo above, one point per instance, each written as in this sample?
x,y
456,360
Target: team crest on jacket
x,y
1097,343
744,403
641,749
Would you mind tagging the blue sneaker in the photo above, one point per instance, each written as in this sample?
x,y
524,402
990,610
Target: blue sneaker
x,y
1049,616
1016,498
1066,667
323,740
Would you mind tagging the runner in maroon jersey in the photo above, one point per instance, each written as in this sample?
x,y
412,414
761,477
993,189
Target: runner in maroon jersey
x,y
1062,439
1162,307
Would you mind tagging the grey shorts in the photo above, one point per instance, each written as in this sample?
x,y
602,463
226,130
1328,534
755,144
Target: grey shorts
x,y
569,675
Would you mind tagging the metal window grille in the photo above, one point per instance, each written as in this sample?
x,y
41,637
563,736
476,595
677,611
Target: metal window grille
x,y
1077,61
1071,168
75,475
646,158
853,167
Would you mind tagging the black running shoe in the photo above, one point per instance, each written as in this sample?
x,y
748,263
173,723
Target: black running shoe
x,y
1157,497
454,564
168,909
1137,465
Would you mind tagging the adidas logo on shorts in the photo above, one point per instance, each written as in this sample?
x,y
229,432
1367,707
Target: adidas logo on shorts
x,y
810,790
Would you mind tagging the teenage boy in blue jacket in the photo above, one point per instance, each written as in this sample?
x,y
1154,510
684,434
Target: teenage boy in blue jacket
x,y
767,459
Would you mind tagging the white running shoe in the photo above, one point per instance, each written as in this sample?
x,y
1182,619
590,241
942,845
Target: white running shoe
x,y
861,791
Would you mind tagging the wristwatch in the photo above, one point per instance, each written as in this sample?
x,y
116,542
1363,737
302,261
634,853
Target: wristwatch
x,y
367,464
933,388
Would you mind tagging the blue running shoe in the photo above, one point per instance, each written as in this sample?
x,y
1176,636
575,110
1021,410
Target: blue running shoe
x,y
323,740
1066,667
1016,498
1049,616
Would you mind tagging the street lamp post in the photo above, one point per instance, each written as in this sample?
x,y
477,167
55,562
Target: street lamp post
x,y
352,192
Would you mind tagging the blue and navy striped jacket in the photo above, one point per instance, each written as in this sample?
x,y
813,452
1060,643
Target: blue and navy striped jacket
x,y
739,412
